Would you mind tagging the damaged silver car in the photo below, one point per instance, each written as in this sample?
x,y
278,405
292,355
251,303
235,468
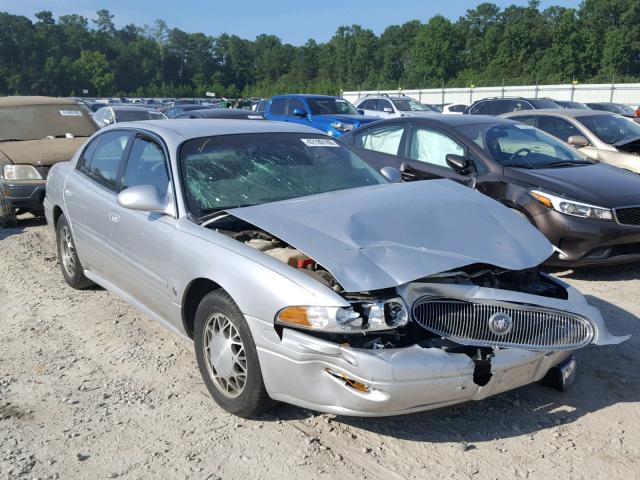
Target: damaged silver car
x,y
305,276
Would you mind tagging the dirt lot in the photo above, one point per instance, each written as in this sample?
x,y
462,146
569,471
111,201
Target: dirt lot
x,y
91,388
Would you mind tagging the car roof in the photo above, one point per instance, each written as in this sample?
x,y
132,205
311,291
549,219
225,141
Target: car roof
x,y
188,128
564,112
304,95
125,108
451,120
19,101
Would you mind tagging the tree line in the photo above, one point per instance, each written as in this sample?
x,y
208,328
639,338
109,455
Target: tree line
x,y
597,42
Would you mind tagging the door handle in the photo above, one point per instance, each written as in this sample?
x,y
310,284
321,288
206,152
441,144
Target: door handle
x,y
114,217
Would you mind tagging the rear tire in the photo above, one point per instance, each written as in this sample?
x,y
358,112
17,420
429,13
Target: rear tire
x,y
7,214
72,269
227,357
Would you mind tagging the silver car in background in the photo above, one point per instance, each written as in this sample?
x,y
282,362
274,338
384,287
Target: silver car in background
x,y
305,276
604,136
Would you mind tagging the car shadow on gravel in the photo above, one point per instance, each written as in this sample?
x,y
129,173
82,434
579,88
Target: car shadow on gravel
x,y
24,222
607,376
630,271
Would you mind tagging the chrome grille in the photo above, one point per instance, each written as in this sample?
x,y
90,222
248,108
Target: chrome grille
x,y
533,328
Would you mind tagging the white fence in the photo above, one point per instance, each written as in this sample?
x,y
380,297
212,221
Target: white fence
x,y
627,93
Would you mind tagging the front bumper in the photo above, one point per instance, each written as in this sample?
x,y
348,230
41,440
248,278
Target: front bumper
x,y
25,194
400,381
304,370
588,242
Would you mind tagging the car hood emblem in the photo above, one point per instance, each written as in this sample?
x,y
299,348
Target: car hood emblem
x,y
500,323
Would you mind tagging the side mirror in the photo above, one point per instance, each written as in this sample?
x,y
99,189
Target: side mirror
x,y
387,110
460,164
298,112
107,121
392,174
578,141
360,111
144,198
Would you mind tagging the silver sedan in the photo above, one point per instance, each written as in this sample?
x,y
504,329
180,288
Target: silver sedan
x,y
305,276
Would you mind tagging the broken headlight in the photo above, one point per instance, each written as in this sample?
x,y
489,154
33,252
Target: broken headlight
x,y
360,317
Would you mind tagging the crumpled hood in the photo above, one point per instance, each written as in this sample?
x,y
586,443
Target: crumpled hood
x,y
384,236
356,120
600,184
41,152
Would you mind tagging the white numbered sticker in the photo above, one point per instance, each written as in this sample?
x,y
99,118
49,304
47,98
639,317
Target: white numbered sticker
x,y
70,113
319,142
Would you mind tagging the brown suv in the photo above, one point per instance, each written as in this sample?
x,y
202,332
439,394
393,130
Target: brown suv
x,y
35,133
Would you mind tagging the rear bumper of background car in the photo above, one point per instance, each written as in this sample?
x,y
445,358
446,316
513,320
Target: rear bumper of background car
x,y
25,194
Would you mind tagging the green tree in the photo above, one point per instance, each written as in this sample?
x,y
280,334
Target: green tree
x,y
95,70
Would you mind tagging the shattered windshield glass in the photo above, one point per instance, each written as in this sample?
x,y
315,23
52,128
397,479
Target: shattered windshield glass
x,y
230,171
35,122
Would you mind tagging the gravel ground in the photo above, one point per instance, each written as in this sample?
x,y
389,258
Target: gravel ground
x,y
91,388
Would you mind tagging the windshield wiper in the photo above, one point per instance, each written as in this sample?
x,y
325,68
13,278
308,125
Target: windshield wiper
x,y
564,164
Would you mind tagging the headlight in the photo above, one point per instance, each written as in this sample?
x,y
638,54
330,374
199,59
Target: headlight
x,y
571,207
21,172
342,127
362,316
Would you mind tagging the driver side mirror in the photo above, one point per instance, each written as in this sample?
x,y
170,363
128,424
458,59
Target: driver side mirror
x,y
392,174
298,112
578,141
460,165
144,198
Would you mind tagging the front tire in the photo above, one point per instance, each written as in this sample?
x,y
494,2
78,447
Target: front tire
x,y
70,265
227,357
7,214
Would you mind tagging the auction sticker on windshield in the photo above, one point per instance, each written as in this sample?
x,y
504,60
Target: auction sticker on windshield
x,y
70,113
319,142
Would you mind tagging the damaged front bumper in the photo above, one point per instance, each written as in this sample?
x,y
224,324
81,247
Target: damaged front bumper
x,y
314,373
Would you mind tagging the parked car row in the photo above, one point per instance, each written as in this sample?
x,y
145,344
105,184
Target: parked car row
x,y
320,271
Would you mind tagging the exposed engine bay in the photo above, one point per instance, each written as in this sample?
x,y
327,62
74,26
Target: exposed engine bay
x,y
274,247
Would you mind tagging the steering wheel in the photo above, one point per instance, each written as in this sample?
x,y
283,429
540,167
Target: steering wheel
x,y
519,152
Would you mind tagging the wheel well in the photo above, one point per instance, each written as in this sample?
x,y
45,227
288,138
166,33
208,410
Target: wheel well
x,y
193,295
57,212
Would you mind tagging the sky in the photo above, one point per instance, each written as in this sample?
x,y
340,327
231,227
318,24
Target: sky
x,y
294,21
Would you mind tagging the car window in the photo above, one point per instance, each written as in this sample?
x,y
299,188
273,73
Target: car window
x,y
107,158
612,129
382,104
522,146
503,106
526,119
457,108
558,127
482,108
278,106
293,104
367,105
85,158
146,166
519,105
432,147
237,170
330,106
384,139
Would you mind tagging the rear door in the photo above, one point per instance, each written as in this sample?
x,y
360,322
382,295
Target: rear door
x,y
382,145
141,243
89,192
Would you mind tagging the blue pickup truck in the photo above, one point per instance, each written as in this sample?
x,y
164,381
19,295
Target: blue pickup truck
x,y
333,115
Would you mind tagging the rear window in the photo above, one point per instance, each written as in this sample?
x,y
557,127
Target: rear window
x,y
137,115
35,122
537,103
